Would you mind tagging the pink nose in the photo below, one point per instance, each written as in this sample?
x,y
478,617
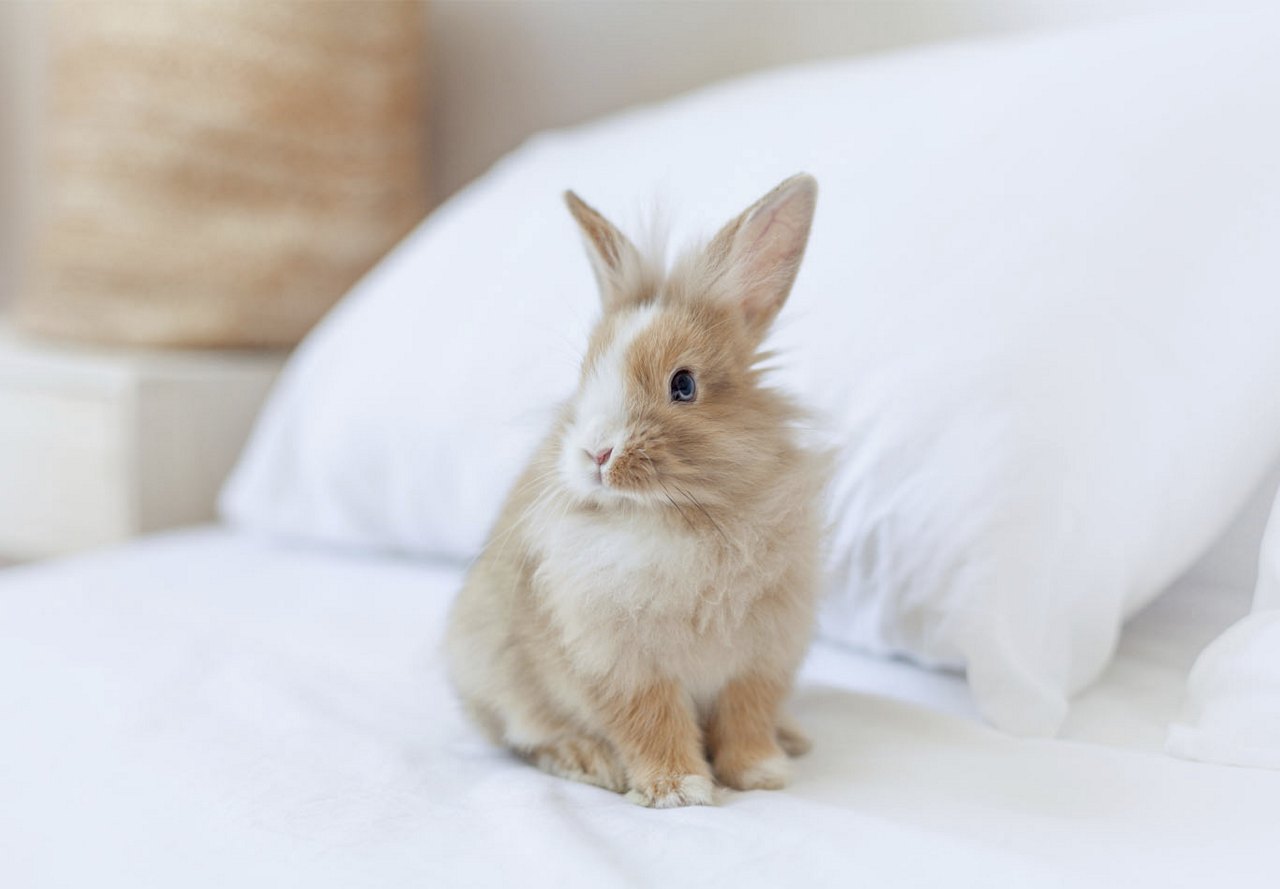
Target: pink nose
x,y
601,457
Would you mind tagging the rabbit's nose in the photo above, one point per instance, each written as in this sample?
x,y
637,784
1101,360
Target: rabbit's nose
x,y
601,457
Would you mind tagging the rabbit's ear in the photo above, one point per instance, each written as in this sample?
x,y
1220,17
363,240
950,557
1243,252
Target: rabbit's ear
x,y
757,255
613,258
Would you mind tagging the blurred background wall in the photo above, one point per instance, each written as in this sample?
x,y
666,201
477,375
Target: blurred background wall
x,y
21,67
503,69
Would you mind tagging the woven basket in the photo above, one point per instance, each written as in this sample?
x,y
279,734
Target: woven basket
x,y
221,172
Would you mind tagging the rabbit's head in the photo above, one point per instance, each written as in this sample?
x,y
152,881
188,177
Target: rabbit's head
x,y
670,409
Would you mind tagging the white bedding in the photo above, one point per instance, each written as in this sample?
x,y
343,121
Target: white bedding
x,y
203,709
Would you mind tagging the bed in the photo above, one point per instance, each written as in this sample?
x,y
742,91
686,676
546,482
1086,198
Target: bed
x,y
1032,453
208,709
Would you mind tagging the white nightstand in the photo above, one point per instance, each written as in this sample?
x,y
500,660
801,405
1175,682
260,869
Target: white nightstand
x,y
100,444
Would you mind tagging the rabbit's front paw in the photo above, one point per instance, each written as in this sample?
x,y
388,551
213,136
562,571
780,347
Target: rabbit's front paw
x,y
763,773
670,791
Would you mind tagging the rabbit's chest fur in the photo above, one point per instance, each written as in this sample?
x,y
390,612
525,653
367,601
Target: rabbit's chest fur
x,y
630,594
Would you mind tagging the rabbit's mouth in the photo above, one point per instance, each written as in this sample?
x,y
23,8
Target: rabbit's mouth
x,y
596,471
601,475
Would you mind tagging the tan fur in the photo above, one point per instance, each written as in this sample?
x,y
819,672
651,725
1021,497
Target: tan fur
x,y
792,739
657,734
584,758
742,731
626,620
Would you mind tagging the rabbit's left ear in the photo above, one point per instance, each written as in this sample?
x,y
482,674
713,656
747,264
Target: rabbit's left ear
x,y
612,255
758,254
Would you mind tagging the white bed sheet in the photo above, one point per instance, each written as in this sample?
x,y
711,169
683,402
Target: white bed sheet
x,y
207,710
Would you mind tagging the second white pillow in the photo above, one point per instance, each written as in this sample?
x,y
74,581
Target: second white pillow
x,y
1232,713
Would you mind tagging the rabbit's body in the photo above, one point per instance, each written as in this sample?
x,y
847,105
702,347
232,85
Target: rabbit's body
x,y
633,616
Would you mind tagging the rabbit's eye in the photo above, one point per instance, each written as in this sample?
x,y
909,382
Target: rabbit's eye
x,y
683,387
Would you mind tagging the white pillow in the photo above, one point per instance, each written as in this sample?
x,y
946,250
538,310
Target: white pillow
x,y
1232,713
1039,309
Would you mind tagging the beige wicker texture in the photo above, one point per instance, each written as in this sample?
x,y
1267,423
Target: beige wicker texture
x,y
221,172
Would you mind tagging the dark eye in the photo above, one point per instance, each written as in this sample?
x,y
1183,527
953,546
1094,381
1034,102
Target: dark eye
x,y
683,387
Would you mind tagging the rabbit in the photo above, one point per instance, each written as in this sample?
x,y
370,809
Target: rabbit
x,y
648,592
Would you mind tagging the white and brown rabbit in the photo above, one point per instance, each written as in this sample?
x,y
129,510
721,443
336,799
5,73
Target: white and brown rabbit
x,y
647,594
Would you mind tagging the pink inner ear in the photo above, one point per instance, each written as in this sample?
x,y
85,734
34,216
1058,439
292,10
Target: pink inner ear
x,y
768,248
774,237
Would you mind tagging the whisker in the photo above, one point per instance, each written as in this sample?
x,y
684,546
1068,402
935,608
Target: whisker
x,y
703,510
531,509
657,476
672,501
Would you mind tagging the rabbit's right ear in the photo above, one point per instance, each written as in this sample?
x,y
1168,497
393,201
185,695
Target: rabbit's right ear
x,y
614,259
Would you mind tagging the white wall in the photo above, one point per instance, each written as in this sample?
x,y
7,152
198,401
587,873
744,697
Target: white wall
x,y
506,68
